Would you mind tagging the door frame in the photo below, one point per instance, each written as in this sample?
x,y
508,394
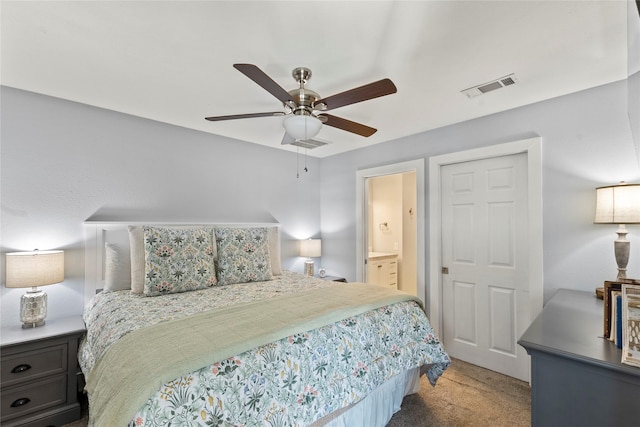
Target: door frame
x,y
533,148
362,218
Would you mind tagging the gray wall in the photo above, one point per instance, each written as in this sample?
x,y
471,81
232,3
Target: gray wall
x,y
586,143
63,163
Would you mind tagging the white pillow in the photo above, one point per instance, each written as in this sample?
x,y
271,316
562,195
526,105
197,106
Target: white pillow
x,y
117,273
274,250
136,246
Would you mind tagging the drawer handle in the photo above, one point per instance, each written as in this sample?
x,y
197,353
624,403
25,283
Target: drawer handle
x,y
20,368
20,402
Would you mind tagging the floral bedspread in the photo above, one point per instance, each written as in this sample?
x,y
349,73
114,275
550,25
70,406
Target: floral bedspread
x,y
294,381
111,315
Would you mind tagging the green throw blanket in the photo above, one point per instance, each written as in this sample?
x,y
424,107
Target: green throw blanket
x,y
136,366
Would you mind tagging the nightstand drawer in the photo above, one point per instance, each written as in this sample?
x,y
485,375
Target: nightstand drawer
x,y
33,397
33,364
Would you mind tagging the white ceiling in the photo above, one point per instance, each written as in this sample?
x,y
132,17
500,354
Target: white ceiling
x,y
171,61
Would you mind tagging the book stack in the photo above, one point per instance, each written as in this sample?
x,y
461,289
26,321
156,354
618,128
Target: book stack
x,y
615,332
612,297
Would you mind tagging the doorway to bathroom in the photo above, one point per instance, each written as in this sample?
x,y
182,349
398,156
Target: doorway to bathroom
x,y
390,226
392,232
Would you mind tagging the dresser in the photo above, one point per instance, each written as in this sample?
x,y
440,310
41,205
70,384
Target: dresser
x,y
577,378
40,372
382,269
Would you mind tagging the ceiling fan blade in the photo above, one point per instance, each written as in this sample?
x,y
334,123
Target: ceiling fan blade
x,y
244,116
266,82
348,125
363,93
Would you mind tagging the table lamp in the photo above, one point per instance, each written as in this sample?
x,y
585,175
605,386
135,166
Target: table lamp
x,y
30,270
619,204
309,248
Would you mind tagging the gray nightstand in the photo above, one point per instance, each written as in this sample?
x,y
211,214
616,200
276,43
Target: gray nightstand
x,y
40,373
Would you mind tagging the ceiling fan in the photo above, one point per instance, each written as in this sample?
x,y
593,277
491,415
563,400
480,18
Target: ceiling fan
x,y
306,109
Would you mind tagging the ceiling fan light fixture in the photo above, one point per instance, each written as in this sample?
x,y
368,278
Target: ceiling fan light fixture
x,y
302,127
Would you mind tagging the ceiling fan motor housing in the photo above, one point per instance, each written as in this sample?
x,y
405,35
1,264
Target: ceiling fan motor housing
x,y
302,97
304,100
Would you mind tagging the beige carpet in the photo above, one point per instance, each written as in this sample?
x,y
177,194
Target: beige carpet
x,y
466,395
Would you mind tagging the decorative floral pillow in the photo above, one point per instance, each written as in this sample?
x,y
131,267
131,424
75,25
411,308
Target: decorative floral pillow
x,y
178,260
243,255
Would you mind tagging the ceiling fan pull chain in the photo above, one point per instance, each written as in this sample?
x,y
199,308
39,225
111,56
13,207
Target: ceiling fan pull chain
x,y
297,162
305,160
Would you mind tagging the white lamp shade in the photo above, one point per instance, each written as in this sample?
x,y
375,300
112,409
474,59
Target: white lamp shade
x,y
302,127
37,268
310,248
618,204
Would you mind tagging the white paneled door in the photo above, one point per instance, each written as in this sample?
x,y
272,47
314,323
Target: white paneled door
x,y
485,288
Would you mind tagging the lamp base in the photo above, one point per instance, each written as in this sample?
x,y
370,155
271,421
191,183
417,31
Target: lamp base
x,y
622,248
33,325
308,267
33,309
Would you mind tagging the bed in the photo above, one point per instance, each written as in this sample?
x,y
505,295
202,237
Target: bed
x,y
199,325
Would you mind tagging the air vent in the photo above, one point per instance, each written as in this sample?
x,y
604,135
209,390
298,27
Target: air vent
x,y
308,143
490,86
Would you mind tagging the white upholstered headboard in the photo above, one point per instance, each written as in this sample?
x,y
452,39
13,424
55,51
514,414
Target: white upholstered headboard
x,y
97,233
